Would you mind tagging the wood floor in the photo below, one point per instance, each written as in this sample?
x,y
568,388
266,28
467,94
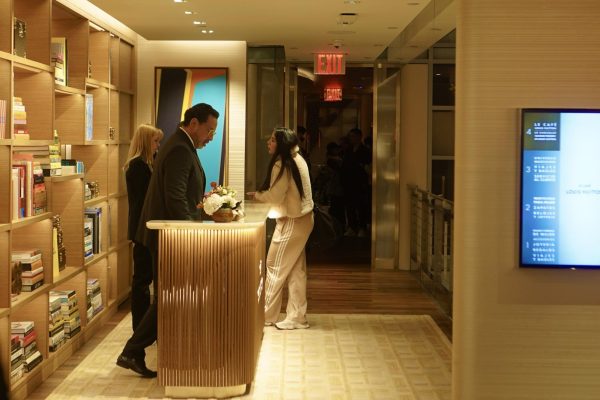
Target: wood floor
x,y
340,281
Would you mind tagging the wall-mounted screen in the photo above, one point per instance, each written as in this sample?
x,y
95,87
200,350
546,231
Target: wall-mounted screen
x,y
560,188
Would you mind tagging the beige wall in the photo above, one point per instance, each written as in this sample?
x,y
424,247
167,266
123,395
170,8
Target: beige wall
x,y
413,148
229,54
518,333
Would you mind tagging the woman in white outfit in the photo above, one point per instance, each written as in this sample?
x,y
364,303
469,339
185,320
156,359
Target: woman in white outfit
x,y
287,189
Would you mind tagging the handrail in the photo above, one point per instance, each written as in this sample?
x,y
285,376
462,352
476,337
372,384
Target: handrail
x,y
431,242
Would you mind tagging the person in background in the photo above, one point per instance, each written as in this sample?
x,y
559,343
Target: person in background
x,y
176,188
138,169
304,145
287,189
355,180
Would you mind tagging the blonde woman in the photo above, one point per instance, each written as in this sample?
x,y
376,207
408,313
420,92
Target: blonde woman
x,y
287,189
138,170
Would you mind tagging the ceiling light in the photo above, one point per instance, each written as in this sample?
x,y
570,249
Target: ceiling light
x,y
205,31
347,18
203,23
179,1
351,1
189,12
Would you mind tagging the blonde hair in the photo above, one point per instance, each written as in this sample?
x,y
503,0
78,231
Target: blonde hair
x,y
141,144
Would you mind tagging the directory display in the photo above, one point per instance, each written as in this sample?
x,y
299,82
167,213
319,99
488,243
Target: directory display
x,y
560,188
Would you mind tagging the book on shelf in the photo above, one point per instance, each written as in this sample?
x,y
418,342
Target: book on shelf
x,y
31,264
95,213
19,37
32,287
88,240
89,117
33,361
31,280
26,256
19,119
2,118
26,339
21,328
58,57
32,273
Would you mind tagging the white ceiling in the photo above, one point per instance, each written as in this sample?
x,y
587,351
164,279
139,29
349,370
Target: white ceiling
x,y
303,27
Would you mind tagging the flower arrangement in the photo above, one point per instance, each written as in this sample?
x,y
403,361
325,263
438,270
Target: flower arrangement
x,y
219,197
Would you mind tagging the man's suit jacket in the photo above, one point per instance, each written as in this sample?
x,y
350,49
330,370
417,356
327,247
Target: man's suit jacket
x,y
137,177
176,187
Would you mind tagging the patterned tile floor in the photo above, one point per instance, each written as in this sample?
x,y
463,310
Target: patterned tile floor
x,y
340,357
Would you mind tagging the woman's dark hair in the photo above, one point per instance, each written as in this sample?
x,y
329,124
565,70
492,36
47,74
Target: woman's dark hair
x,y
286,141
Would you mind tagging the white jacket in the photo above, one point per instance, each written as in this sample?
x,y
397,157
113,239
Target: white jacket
x,y
283,195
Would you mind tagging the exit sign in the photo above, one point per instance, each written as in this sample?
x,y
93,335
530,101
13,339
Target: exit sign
x,y
332,94
330,64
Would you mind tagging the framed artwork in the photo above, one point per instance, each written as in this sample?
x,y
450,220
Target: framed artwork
x,y
176,90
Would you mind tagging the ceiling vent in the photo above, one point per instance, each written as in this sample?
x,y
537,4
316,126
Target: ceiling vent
x,y
347,18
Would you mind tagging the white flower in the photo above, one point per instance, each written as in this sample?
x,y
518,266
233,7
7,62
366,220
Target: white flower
x,y
212,203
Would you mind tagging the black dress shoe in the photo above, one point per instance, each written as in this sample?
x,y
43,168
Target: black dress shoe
x,y
136,366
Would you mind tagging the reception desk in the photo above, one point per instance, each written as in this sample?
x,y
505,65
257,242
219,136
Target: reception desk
x,y
211,304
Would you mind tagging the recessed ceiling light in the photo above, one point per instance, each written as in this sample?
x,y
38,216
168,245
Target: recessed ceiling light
x,y
189,12
204,31
179,1
351,1
200,23
209,31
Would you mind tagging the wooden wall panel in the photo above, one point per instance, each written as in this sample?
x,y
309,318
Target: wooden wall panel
x,y
518,333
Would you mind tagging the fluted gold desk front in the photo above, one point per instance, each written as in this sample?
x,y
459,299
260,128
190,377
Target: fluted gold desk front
x,y
210,304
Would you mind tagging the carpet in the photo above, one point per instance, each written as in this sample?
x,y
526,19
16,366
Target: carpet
x,y
342,356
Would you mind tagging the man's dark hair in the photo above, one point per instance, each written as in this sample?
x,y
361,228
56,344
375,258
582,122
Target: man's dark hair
x,y
200,111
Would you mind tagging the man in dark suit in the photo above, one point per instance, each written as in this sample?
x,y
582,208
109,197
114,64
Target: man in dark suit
x,y
176,188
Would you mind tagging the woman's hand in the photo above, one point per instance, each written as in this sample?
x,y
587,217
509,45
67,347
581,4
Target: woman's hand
x,y
251,195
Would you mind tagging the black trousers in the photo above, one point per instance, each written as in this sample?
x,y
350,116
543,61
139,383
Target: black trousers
x,y
145,332
140,285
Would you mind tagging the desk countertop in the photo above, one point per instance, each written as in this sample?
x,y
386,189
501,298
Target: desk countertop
x,y
255,215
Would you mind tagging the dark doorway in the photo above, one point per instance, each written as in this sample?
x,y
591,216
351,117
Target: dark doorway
x,y
331,150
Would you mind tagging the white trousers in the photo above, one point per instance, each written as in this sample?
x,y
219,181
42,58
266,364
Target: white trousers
x,y
286,262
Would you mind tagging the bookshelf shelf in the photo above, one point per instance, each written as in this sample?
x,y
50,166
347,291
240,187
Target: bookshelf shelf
x,y
91,107
67,91
26,298
23,222
66,177
66,274
95,201
97,258
95,84
26,66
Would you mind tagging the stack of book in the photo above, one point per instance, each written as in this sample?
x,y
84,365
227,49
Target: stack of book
x,y
70,311
94,298
25,332
32,270
48,156
17,362
19,119
88,238
2,118
56,324
29,188
95,214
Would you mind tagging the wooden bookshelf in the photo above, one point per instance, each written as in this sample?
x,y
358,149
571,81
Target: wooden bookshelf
x,y
99,63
